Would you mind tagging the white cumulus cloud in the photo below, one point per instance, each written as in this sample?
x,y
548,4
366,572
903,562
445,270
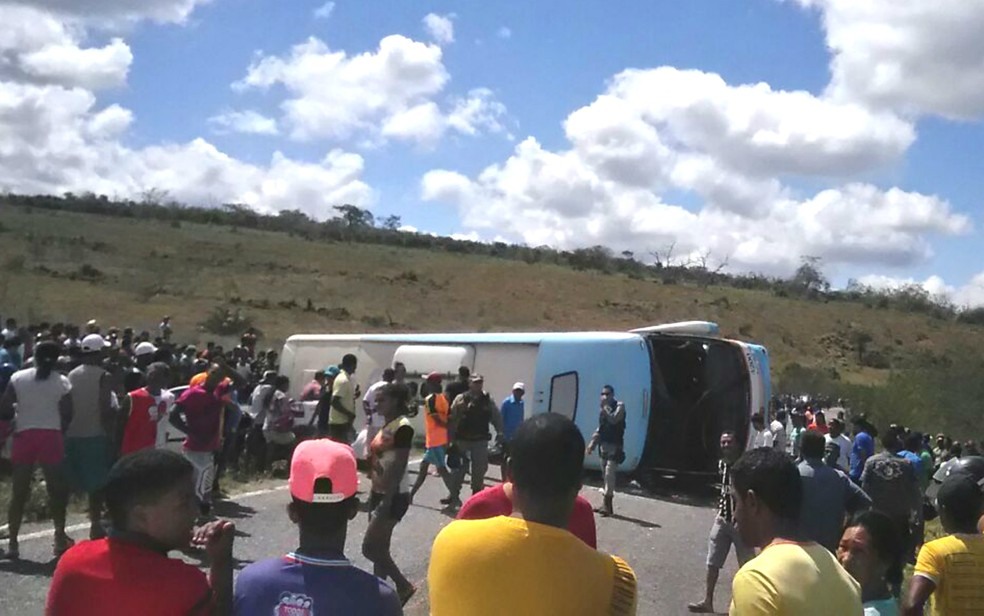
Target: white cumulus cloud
x,y
916,56
657,136
440,28
968,295
249,122
392,92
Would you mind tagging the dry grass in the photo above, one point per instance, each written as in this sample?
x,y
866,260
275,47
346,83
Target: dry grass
x,y
150,268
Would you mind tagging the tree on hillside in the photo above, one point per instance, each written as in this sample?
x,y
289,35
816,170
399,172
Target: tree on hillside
x,y
808,278
860,339
355,217
391,222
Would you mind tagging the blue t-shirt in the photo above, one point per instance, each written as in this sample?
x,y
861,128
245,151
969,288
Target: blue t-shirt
x,y
306,586
914,459
863,448
513,413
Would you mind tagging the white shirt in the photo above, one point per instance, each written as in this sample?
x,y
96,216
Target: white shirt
x,y
762,438
37,401
163,403
369,403
778,430
845,444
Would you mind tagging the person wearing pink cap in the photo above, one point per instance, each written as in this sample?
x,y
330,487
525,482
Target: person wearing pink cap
x,y
316,578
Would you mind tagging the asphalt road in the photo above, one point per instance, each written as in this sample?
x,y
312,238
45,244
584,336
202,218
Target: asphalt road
x,y
662,533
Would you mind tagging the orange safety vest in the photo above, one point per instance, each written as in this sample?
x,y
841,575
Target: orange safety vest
x,y
436,405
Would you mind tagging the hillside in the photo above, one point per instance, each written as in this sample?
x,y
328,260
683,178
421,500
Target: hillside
x,y
63,265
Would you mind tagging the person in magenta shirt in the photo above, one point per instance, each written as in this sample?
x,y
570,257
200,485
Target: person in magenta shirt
x,y
497,500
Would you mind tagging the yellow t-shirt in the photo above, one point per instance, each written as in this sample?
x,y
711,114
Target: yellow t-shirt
x,y
506,565
956,565
794,579
342,388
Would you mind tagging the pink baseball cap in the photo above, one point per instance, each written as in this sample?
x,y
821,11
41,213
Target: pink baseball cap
x,y
323,471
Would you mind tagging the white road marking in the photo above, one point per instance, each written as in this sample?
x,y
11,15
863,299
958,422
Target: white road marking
x,y
41,534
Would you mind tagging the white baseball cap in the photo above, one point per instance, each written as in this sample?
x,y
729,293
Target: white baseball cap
x,y
519,386
144,348
93,343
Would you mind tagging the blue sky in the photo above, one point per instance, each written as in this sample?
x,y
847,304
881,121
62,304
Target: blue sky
x,y
541,63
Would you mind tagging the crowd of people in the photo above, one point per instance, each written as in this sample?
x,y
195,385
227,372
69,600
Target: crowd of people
x,y
820,523
835,523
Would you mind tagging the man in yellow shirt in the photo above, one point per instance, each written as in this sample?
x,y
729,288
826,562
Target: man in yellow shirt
x,y
341,415
788,577
530,564
950,571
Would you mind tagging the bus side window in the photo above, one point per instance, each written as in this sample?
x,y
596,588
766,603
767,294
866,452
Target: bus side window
x,y
563,394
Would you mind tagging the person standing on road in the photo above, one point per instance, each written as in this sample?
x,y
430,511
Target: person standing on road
x,y
844,444
788,577
323,409
341,416
468,428
88,445
457,387
198,414
530,564
863,446
778,429
609,439
144,412
891,483
375,421
828,494
316,578
43,402
390,497
724,533
948,572
278,425
436,409
152,507
513,413
762,437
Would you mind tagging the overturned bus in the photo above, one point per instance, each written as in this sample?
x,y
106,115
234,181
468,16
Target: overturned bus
x,y
682,384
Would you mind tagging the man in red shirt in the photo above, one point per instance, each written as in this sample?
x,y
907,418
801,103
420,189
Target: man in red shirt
x,y
198,413
152,507
497,500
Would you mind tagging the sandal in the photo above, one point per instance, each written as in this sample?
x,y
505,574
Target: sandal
x,y
404,598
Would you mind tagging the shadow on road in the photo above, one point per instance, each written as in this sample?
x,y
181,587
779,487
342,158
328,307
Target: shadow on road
x,y
29,567
232,509
677,490
636,521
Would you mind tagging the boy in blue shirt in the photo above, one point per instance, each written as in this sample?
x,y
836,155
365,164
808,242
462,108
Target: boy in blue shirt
x,y
316,578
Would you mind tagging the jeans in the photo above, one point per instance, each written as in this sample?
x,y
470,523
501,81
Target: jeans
x,y
477,454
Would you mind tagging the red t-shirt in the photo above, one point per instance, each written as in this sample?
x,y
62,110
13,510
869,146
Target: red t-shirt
x,y
114,576
203,414
492,502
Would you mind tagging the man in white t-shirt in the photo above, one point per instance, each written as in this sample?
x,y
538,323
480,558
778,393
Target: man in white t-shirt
x,y
837,437
761,437
778,429
375,421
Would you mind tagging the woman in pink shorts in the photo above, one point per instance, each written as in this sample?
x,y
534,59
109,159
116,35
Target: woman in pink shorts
x,y
43,411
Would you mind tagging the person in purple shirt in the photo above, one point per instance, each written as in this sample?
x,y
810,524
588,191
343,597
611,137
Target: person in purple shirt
x,y
316,578
863,447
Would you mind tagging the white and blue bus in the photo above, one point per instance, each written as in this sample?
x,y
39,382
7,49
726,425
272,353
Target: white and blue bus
x,y
682,383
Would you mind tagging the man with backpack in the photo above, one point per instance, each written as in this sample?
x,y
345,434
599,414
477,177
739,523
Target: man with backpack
x,y
468,429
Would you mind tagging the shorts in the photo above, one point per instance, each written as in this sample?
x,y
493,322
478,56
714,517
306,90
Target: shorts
x,y
279,438
723,536
37,446
398,508
87,462
436,456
